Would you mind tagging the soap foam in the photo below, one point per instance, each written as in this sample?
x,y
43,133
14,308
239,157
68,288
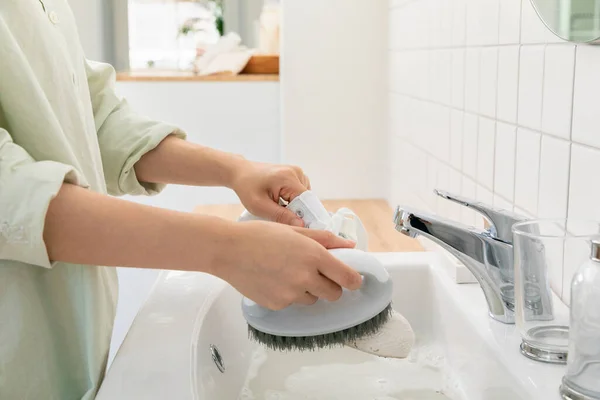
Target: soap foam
x,y
347,374
394,339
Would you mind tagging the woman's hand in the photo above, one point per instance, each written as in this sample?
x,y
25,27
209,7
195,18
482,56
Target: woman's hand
x,y
276,265
260,186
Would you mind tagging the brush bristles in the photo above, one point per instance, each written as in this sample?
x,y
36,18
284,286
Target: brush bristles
x,y
335,339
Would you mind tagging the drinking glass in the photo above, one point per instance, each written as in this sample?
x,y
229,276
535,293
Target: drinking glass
x,y
545,252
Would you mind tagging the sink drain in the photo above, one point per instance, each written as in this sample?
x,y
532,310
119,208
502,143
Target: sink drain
x,y
216,356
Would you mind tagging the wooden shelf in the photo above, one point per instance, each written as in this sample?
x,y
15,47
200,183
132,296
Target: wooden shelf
x,y
152,75
262,64
375,215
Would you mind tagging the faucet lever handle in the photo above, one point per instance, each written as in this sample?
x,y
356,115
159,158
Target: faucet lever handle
x,y
501,221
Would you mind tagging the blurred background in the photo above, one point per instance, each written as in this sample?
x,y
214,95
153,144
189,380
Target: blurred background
x,y
379,101
137,34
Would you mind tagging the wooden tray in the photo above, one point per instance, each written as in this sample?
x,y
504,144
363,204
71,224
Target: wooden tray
x,y
261,64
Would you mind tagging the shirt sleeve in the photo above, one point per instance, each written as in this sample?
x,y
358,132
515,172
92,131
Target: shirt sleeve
x,y
26,189
124,136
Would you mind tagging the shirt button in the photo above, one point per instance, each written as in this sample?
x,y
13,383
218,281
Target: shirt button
x,y
53,17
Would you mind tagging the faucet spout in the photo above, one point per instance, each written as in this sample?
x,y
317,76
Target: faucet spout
x,y
488,258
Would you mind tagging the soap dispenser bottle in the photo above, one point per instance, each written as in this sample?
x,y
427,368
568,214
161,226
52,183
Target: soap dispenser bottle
x,y
582,379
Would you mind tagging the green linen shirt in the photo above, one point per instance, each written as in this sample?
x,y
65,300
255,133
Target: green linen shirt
x,y
60,121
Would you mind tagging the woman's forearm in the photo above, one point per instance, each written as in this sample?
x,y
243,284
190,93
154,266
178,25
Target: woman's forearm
x,y
176,161
84,227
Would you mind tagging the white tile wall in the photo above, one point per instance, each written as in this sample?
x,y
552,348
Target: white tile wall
x,y
485,152
501,202
586,115
504,182
558,89
516,107
468,189
472,67
459,14
527,170
488,75
456,138
554,178
454,186
469,164
442,78
508,83
458,78
584,191
510,21
531,83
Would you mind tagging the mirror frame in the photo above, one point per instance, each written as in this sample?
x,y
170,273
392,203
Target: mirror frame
x,y
539,14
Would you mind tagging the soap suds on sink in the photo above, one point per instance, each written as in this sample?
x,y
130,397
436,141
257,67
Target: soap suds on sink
x,y
347,374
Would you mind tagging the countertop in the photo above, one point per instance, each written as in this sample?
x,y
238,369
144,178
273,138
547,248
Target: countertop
x,y
186,76
375,214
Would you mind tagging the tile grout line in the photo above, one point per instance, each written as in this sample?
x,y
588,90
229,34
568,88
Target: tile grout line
x,y
521,22
568,200
476,153
496,106
494,158
539,167
573,93
462,138
562,286
452,88
516,147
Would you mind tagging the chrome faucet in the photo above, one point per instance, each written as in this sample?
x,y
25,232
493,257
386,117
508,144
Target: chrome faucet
x,y
488,253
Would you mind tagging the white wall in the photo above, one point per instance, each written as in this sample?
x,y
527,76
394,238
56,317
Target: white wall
x,y
486,102
334,94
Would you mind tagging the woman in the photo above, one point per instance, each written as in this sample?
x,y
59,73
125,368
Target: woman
x,y
66,142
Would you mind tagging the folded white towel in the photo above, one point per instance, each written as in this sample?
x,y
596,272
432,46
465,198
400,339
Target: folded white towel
x,y
226,56
396,338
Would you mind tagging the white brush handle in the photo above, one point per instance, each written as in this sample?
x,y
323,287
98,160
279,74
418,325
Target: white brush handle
x,y
344,222
372,271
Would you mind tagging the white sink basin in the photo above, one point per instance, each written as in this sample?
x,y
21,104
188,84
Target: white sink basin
x,y
460,353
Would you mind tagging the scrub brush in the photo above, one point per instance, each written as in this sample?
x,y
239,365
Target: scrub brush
x,y
356,315
384,333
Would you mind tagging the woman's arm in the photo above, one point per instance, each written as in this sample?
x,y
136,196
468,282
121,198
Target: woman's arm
x,y
177,161
84,227
273,264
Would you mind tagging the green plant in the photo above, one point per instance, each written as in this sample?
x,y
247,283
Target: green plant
x,y
185,29
216,7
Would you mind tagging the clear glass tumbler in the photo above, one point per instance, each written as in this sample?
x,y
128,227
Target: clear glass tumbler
x,y
545,251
